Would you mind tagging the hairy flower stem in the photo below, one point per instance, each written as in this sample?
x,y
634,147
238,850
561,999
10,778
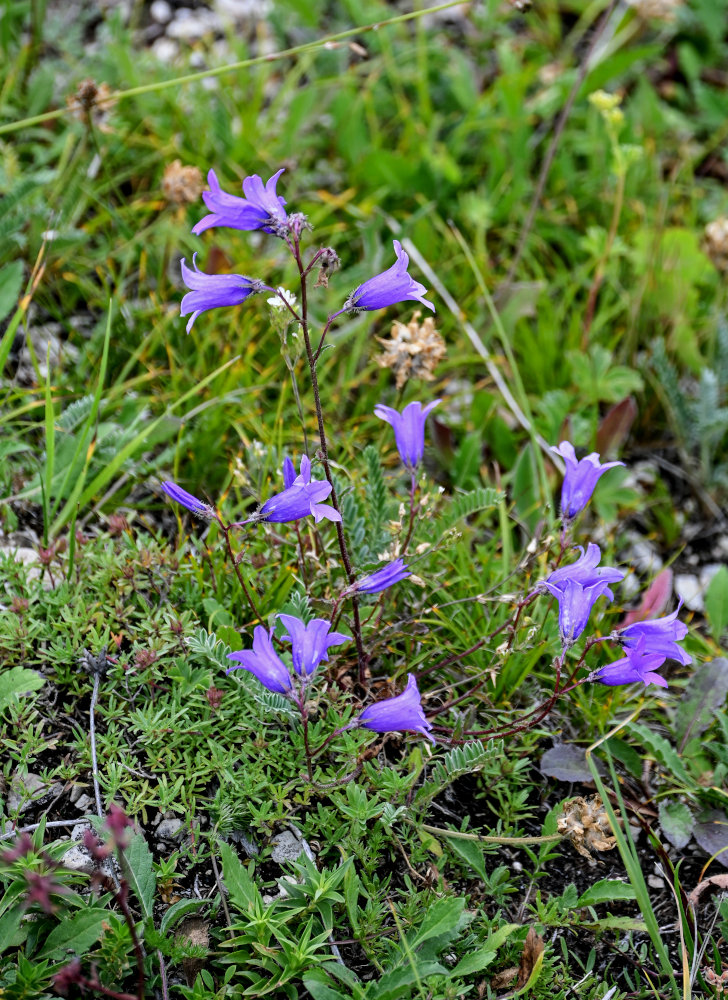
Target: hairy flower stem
x,y
413,510
303,709
350,574
239,573
122,900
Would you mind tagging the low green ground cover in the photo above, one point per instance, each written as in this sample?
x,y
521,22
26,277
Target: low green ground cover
x,y
549,842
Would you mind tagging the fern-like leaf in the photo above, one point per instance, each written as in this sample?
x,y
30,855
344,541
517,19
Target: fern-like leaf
x,y
465,504
458,762
376,493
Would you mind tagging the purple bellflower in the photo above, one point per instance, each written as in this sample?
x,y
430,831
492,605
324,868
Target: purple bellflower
x,y
586,571
261,208
577,587
212,290
580,479
302,497
386,289
409,429
397,714
310,643
176,493
381,579
638,665
575,605
660,635
263,661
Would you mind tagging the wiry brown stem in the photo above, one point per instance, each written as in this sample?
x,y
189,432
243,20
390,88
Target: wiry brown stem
x,y
324,452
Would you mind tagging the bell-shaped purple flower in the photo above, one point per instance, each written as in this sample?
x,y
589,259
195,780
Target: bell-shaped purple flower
x,y
580,479
577,587
382,578
397,714
261,208
586,571
660,636
212,290
391,286
310,642
409,429
639,665
303,497
176,493
264,662
575,606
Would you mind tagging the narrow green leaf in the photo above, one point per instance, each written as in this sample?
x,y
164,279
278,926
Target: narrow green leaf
x,y
178,911
716,602
18,681
11,282
677,822
75,934
442,916
10,927
138,869
243,891
607,891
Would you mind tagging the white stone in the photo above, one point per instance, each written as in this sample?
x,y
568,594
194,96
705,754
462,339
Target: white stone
x,y
29,790
161,11
165,49
286,847
84,802
644,557
688,587
168,829
189,24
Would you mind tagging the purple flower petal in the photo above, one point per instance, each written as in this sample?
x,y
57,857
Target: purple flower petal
x,y
180,496
398,714
209,291
383,578
660,636
310,643
575,605
580,479
261,208
638,665
391,286
263,662
302,498
409,429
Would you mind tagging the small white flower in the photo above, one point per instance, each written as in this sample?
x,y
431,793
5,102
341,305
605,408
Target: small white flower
x,y
278,303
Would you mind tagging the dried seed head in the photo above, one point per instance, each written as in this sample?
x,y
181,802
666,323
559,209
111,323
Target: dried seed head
x,y
719,981
91,103
413,351
716,239
586,824
181,185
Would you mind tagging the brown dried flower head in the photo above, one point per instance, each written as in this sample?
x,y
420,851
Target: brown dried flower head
x,y
413,351
91,103
719,981
716,239
181,185
586,824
